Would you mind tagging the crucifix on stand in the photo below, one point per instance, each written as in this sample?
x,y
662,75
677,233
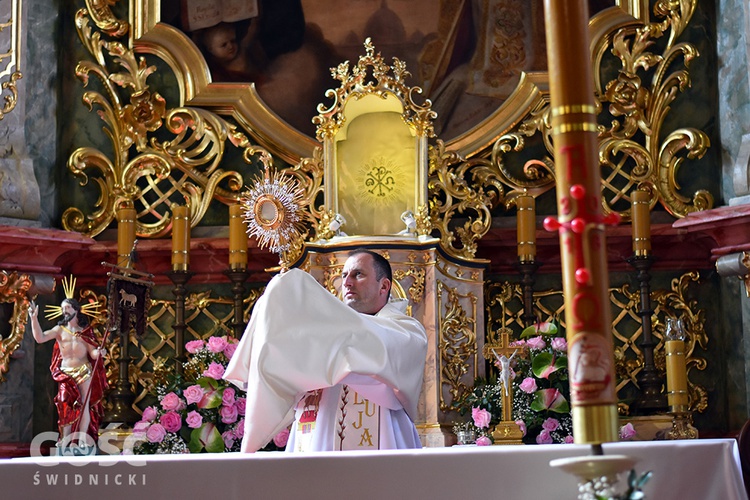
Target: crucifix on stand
x,y
507,430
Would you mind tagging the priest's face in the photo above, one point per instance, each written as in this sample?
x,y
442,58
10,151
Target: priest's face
x,y
362,290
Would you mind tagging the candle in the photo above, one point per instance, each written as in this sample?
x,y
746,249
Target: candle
x,y
677,395
237,239
526,228
674,346
180,238
574,128
641,223
125,234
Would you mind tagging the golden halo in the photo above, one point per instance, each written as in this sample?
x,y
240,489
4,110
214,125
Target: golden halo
x,y
88,308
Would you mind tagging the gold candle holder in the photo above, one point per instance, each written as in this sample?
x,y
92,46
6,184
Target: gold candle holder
x,y
526,228
641,223
126,216
180,238
237,239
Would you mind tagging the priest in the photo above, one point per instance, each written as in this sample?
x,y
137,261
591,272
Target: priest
x,y
347,375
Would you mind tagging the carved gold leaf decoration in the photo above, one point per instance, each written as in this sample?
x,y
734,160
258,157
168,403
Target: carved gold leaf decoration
x,y
640,106
184,168
11,58
457,343
14,289
371,75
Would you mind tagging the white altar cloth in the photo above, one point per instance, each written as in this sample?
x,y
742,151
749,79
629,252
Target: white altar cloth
x,y
705,469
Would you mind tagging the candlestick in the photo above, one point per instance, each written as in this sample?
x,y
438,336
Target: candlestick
x,y
526,228
237,239
641,223
238,278
674,346
125,234
650,399
180,238
574,126
180,279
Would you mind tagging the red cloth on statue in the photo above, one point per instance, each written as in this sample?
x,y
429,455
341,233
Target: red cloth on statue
x,y
69,400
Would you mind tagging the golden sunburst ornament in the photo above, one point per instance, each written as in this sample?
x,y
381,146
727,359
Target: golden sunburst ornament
x,y
52,311
272,208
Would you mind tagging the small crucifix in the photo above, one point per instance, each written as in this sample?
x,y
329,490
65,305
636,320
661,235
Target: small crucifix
x,y
507,431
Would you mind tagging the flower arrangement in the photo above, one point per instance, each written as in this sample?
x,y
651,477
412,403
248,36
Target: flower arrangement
x,y
538,374
197,410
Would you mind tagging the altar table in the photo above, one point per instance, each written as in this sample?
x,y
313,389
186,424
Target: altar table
x,y
705,469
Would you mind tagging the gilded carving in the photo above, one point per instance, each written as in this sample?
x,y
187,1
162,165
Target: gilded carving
x,y
416,290
14,289
503,303
639,101
457,344
11,59
466,181
185,168
355,84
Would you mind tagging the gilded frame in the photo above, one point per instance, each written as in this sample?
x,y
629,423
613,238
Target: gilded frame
x,y
242,102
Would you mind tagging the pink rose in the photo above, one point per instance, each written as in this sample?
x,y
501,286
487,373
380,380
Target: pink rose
x,y
239,429
559,344
281,438
544,437
217,344
551,424
171,421
149,414
228,414
229,350
194,346
228,438
214,370
240,405
627,432
518,343
156,433
227,397
521,425
194,419
140,428
481,417
536,343
528,385
569,440
171,402
193,394
483,441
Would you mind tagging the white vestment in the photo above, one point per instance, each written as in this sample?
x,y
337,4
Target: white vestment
x,y
301,338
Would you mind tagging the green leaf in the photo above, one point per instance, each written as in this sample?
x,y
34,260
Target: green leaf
x,y
206,436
